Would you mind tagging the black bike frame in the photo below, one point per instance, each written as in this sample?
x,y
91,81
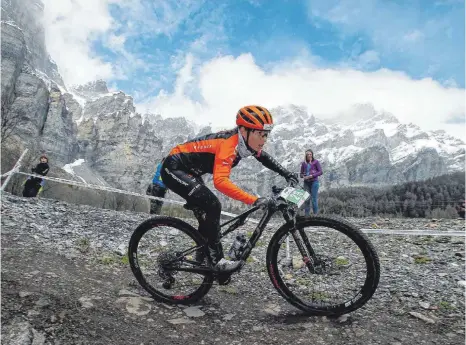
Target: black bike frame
x,y
306,250
241,220
237,222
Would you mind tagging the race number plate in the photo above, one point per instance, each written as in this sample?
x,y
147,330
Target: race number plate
x,y
295,196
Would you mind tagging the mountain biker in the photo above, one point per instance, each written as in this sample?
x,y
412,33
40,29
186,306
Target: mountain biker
x,y
217,153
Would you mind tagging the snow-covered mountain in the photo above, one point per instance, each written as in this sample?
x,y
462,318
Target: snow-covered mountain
x,y
371,148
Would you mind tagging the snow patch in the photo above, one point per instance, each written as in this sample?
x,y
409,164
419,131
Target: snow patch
x,y
78,121
412,130
390,129
323,138
69,168
338,155
48,82
39,6
81,100
440,147
11,23
402,151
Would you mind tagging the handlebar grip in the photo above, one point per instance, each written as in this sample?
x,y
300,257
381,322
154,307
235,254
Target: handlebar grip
x,y
276,190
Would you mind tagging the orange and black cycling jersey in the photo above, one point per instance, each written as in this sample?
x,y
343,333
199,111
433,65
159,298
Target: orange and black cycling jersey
x,y
216,154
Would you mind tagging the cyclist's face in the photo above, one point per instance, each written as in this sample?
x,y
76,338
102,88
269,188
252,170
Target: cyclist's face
x,y
257,139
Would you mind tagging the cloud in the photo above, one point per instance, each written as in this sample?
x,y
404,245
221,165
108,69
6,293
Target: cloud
x,y
227,83
152,18
403,33
457,119
413,36
107,39
69,27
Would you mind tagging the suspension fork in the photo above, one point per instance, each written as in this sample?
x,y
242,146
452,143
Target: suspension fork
x,y
307,252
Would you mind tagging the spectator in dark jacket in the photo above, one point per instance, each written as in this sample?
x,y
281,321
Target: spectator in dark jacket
x,y
158,189
43,167
33,185
310,171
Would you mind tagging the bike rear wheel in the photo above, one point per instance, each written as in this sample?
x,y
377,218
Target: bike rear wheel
x,y
157,247
348,263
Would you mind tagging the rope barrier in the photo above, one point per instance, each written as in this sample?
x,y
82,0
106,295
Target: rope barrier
x,y
416,232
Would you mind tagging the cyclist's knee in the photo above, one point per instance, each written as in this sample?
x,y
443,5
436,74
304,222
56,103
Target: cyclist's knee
x,y
215,207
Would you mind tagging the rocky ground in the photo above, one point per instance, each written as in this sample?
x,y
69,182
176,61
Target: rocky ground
x,y
66,280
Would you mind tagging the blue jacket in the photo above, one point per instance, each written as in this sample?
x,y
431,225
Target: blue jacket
x,y
157,178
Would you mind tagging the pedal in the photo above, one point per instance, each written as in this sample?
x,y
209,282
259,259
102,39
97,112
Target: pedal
x,y
168,284
224,280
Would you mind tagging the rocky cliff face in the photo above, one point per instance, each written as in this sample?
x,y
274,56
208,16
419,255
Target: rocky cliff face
x,y
32,102
118,143
27,16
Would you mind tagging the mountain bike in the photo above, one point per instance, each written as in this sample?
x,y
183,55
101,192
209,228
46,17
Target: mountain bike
x,y
301,259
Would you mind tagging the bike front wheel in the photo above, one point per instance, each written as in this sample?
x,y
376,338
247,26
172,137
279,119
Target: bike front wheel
x,y
328,266
160,246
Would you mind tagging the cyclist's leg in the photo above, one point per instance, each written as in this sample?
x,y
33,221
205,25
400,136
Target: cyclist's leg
x,y
193,190
196,193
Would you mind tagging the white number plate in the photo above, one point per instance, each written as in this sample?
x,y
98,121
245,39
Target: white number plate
x,y
295,196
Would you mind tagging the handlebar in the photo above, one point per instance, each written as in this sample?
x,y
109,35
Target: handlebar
x,y
277,190
276,202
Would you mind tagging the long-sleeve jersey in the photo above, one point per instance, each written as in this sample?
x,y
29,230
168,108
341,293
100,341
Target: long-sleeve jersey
x,y
217,154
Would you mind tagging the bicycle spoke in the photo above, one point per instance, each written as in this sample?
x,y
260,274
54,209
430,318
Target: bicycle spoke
x,y
161,251
337,274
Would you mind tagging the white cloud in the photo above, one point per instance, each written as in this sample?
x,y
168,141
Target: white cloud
x,y
413,36
69,27
73,27
116,42
227,83
400,32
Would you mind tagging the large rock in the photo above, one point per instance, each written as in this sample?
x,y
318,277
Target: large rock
x,y
13,48
29,106
73,107
58,134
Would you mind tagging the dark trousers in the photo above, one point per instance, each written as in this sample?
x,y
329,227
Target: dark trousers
x,y
193,190
31,187
158,191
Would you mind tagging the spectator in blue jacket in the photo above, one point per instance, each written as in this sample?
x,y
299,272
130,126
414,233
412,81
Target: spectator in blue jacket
x,y
310,171
158,189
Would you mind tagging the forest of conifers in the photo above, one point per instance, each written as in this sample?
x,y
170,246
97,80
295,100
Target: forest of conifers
x,y
436,197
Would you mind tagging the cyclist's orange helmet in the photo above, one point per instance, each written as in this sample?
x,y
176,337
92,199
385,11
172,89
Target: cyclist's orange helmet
x,y
254,117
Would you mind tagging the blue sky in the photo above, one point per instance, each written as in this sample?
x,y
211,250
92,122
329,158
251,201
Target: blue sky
x,y
164,52
421,38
